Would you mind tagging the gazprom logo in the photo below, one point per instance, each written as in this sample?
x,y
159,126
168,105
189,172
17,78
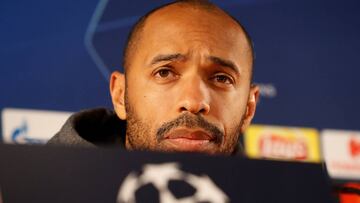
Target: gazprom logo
x,y
20,135
26,126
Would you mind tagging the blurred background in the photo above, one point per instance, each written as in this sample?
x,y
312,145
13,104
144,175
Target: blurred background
x,y
56,57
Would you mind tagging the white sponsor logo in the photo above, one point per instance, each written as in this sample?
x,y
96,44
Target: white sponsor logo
x,y
341,151
22,126
159,176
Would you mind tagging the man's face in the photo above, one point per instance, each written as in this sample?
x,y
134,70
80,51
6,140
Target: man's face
x,y
188,84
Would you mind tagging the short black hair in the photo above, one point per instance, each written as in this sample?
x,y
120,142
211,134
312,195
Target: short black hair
x,y
136,31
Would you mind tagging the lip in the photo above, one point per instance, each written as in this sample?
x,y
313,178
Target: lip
x,y
189,140
190,135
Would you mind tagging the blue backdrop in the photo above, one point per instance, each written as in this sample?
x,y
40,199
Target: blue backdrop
x,y
57,55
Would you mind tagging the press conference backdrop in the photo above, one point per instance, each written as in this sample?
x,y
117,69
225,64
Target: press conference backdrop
x,y
56,57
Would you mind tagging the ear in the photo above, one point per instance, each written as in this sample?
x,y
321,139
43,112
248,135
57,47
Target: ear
x,y
251,106
117,91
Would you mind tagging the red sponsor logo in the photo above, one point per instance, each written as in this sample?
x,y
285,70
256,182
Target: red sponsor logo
x,y
349,193
273,146
354,147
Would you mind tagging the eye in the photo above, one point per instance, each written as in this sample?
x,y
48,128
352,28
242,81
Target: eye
x,y
165,74
223,79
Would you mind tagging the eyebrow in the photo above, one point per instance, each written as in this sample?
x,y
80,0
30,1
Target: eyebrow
x,y
224,63
166,57
178,56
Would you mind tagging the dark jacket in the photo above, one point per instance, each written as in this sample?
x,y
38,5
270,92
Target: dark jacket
x,y
91,128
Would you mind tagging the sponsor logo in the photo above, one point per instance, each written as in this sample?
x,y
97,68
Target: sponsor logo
x,y
354,147
25,126
20,135
156,178
274,142
349,192
274,146
341,151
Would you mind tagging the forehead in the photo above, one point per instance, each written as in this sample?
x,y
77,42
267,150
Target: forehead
x,y
179,22
185,29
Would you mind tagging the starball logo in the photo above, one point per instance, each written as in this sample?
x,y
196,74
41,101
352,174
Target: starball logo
x,y
159,176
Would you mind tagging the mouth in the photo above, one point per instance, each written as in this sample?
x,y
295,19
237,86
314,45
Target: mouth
x,y
190,140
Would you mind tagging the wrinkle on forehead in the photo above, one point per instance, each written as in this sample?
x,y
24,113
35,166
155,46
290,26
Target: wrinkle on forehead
x,y
191,31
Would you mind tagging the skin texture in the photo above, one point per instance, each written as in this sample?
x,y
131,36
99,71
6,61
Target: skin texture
x,y
188,86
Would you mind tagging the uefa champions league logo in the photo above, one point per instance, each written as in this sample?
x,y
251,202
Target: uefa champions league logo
x,y
159,175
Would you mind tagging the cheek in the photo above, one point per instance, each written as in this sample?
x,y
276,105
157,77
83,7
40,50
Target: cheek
x,y
152,104
229,109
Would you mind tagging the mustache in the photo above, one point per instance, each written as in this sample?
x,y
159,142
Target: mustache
x,y
190,122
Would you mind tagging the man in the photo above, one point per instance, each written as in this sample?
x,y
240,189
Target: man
x,y
186,87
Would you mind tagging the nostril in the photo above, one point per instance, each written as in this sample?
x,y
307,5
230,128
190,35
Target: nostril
x,y
183,109
202,111
194,107
194,110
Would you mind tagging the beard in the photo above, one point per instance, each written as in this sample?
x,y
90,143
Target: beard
x,y
140,135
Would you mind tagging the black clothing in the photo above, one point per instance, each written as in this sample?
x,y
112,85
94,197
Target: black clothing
x,y
91,128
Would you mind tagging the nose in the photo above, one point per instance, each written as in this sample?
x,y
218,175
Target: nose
x,y
194,97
